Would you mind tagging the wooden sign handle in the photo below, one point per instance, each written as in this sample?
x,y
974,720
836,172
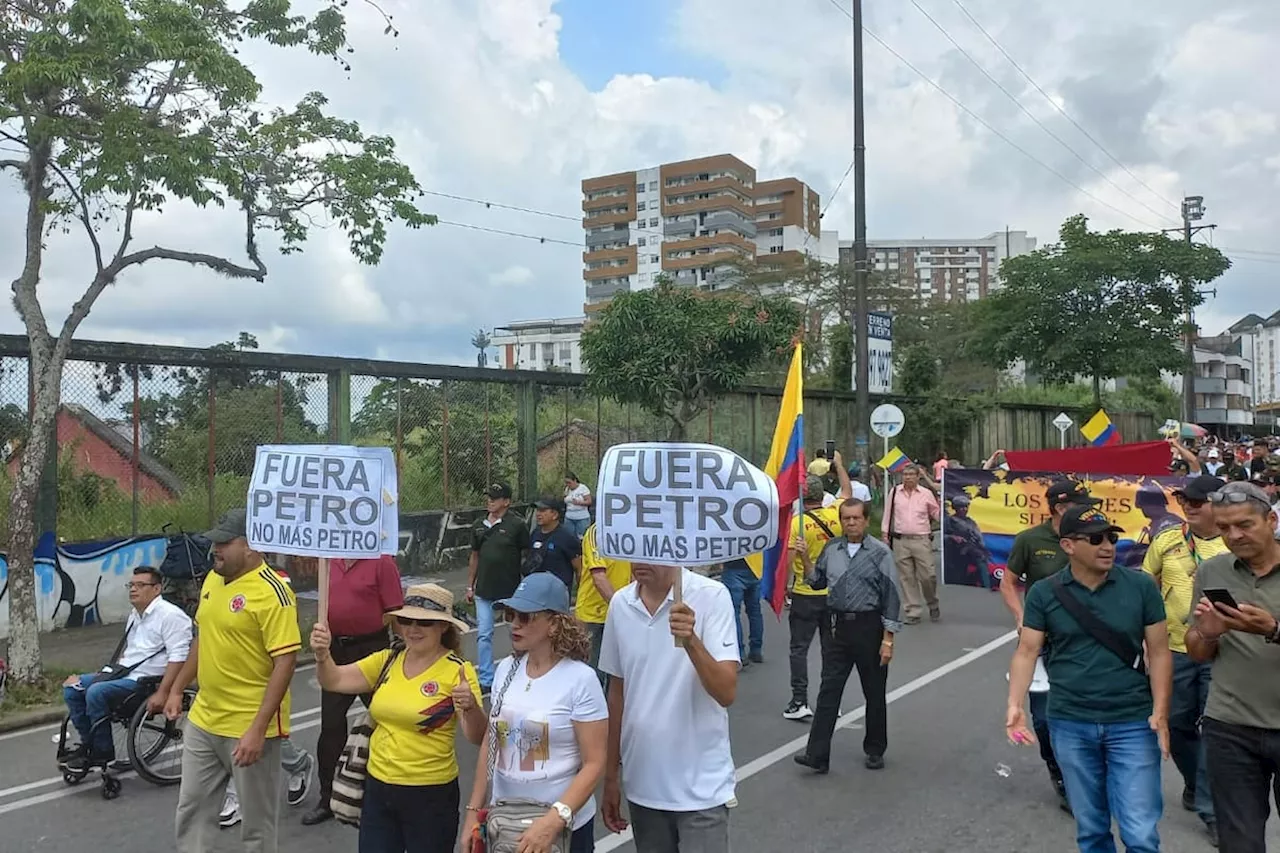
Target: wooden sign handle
x,y
677,597
322,587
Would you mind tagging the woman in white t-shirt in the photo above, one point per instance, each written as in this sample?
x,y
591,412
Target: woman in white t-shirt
x,y
549,726
577,503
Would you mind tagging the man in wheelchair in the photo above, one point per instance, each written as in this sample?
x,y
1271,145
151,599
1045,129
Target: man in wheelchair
x,y
156,640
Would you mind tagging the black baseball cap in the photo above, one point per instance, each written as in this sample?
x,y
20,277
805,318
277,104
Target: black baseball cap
x,y
233,525
1069,492
961,500
1085,520
497,490
1199,488
551,502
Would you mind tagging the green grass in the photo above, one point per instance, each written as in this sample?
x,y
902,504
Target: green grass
x,y
46,691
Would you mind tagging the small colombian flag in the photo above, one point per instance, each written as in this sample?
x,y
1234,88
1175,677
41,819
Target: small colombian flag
x,y
894,461
1099,431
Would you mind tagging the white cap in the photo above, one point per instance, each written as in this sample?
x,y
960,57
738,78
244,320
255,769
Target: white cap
x,y
1213,453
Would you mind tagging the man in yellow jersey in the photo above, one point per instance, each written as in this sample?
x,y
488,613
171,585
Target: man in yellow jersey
x,y
808,614
601,578
244,654
1172,559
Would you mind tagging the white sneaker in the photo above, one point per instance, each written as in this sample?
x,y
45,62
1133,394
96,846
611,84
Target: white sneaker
x,y
230,814
797,711
300,783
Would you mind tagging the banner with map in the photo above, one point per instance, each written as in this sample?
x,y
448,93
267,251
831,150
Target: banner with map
x,y
976,542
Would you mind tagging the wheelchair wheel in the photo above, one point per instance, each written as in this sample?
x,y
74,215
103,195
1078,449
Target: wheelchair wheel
x,y
155,744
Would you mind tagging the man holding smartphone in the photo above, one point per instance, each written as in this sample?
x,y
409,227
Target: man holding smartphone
x,y
1173,560
1237,598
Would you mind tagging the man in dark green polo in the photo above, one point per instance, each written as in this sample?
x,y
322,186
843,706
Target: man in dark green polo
x,y
1241,726
499,543
1036,554
1108,711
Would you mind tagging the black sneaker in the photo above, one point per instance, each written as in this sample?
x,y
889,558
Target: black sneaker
x,y
318,815
1188,799
875,762
756,657
819,767
1061,788
1211,830
797,710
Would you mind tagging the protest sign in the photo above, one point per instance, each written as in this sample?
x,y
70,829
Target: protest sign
x,y
978,535
324,501
682,504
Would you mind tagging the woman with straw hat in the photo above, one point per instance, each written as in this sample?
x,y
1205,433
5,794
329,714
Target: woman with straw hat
x,y
411,796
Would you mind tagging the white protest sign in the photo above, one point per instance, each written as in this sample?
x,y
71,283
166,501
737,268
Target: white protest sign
x,y
316,500
682,504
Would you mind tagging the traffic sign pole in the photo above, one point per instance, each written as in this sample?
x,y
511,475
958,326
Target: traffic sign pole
x,y
1063,422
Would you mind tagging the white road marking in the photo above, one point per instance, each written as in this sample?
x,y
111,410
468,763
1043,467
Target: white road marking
x,y
751,768
53,727
5,793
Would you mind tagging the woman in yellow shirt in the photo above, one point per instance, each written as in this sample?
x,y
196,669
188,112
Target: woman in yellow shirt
x,y
411,795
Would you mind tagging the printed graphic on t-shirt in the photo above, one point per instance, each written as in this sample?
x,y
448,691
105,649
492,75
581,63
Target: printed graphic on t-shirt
x,y
524,745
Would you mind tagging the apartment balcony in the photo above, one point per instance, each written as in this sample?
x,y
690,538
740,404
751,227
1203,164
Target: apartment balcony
x,y
1210,385
722,278
685,279
621,217
622,235
605,290
606,201
683,228
725,220
622,253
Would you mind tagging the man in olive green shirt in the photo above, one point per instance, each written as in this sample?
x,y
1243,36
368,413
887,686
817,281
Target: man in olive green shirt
x,y
1241,727
1037,554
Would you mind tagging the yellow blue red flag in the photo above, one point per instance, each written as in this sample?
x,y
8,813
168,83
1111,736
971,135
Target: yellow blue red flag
x,y
1099,431
786,467
894,461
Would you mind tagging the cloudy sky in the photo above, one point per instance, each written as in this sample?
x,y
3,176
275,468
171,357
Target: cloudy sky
x,y
514,101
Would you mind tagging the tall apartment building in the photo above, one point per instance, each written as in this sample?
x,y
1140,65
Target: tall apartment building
x,y
1265,343
944,270
694,221
1224,383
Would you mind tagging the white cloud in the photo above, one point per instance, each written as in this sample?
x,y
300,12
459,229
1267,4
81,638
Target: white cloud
x,y
481,105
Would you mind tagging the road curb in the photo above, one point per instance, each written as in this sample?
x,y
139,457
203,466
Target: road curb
x,y
46,714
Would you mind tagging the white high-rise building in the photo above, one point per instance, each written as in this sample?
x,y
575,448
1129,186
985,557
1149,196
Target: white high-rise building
x,y
945,269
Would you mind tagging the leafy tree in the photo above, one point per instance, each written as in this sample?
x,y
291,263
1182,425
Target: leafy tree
x,y
672,350
1100,305
111,110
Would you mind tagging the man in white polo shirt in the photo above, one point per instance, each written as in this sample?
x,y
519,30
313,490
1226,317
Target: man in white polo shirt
x,y
670,747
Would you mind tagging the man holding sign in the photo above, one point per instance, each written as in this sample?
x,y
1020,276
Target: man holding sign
x,y
662,506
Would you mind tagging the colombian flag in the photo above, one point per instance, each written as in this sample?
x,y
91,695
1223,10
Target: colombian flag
x,y
894,461
786,467
1099,431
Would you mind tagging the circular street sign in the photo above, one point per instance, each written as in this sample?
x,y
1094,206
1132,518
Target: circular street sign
x,y
887,420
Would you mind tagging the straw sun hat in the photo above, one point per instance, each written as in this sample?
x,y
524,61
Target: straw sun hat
x,y
431,602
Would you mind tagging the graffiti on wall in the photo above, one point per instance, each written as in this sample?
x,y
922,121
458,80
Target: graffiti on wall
x,y
83,583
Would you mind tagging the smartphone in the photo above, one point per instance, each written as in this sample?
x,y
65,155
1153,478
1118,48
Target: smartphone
x,y
1221,596
831,449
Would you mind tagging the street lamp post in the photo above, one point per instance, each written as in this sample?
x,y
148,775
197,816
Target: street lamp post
x,y
1192,211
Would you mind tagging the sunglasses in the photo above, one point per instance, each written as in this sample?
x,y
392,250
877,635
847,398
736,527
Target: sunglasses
x,y
1096,539
519,618
405,622
1191,502
1231,498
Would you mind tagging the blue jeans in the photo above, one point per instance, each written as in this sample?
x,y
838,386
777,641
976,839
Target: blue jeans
x,y
578,525
1190,692
484,641
1111,770
92,703
744,588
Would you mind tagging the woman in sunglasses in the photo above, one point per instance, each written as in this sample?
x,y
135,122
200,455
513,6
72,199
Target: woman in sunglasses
x,y
549,726
420,691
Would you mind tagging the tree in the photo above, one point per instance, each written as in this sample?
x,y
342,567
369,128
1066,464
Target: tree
x,y
672,350
113,109
1101,305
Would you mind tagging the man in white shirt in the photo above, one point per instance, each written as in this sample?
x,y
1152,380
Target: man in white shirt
x,y
155,644
669,748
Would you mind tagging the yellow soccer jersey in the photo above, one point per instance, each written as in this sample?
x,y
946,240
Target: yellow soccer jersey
x,y
1172,558
591,606
243,626
815,538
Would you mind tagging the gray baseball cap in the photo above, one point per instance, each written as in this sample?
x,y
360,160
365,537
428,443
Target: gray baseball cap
x,y
233,525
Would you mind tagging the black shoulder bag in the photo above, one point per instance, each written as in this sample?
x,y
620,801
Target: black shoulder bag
x,y
1106,636
893,504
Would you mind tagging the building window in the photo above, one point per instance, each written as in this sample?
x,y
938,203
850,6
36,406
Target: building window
x,y
775,232
640,187
653,186
773,250
653,259
640,242
639,206
653,223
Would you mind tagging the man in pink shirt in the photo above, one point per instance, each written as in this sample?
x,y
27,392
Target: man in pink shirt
x,y
361,593
912,512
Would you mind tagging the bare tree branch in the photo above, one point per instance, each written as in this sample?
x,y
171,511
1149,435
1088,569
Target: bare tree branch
x,y
20,165
84,213
200,259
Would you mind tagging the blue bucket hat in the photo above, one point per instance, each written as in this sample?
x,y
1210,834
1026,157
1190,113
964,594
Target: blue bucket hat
x,y
537,592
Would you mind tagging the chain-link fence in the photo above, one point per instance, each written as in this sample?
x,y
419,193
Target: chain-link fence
x,y
155,436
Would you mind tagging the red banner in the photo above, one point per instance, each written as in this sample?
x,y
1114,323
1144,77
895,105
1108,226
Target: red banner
x,y
1150,458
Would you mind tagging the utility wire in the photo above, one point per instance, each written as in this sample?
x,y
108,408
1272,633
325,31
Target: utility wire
x,y
1014,98
536,212
980,120
537,237
1052,102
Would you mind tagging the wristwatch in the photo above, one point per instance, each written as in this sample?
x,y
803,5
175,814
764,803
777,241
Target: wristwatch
x,y
1274,636
565,813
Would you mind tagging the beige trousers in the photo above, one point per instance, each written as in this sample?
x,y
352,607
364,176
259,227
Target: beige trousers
x,y
916,575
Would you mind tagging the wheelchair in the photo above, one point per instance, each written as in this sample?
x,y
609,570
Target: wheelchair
x,y
152,742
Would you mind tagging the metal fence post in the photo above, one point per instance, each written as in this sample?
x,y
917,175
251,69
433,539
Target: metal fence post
x,y
211,462
444,439
137,448
340,406
526,394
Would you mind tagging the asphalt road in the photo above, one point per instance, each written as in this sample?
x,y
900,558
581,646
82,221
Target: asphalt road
x,y
941,791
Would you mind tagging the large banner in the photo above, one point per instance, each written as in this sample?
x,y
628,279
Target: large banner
x,y
976,540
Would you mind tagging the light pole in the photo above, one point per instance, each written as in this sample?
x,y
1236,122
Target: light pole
x,y
862,355
1192,211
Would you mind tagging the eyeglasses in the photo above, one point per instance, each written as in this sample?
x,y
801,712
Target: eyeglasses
x,y
1096,539
405,622
139,584
522,618
1231,498
1191,502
